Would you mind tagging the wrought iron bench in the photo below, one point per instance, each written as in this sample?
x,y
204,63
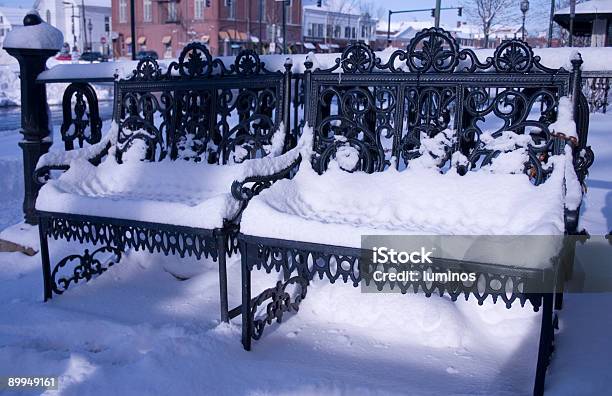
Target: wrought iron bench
x,y
432,106
160,180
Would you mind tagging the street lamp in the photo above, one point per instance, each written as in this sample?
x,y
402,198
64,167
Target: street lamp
x,y
285,3
524,9
90,27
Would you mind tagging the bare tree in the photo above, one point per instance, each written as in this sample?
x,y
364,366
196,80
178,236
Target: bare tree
x,y
487,13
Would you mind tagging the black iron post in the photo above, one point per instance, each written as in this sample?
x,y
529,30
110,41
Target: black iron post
x,y
35,123
437,13
389,29
260,26
133,28
550,22
285,26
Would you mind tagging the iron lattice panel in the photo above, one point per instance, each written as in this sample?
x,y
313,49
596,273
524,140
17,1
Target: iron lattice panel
x,y
201,110
382,109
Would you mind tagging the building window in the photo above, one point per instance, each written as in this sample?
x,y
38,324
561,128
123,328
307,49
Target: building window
x,y
329,32
353,32
347,32
288,10
199,9
337,31
320,30
310,30
122,11
231,5
172,12
147,11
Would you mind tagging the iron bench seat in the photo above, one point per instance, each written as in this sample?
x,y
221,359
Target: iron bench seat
x,y
371,115
160,180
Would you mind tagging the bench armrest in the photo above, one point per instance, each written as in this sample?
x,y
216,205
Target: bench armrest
x,y
261,173
61,160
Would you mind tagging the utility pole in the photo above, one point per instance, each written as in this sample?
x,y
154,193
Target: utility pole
x,y
133,28
84,25
284,26
550,23
437,13
571,22
261,7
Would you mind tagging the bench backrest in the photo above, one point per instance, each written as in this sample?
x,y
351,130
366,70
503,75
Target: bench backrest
x,y
201,109
376,112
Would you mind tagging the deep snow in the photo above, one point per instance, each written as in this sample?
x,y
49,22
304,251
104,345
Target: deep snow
x,y
138,329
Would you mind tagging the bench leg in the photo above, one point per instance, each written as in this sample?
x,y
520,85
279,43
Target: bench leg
x,y
247,321
222,252
44,257
546,343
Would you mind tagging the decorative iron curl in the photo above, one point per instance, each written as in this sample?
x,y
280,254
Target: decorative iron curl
x,y
84,118
281,302
88,266
147,70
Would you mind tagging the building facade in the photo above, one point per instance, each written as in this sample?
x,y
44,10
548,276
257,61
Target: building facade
x,y
86,24
592,23
335,25
225,26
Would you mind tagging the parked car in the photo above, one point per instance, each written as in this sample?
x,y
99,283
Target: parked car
x,y
143,54
64,56
93,56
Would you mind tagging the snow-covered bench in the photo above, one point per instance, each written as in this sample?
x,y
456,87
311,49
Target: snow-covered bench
x,y
429,142
160,179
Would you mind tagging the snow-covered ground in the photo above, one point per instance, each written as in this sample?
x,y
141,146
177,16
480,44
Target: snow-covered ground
x,y
137,329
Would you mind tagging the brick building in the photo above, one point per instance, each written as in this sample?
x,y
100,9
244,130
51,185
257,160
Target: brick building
x,y
226,26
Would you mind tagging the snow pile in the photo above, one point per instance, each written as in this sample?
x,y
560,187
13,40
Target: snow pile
x,y
136,329
433,150
59,157
565,119
185,193
269,165
10,87
170,192
414,201
11,190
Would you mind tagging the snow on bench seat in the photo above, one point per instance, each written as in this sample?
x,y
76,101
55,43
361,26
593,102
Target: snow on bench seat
x,y
170,192
337,208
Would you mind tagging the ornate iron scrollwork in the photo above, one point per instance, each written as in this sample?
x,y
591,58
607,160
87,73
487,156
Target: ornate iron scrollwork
x,y
81,123
207,120
281,302
88,266
165,239
375,114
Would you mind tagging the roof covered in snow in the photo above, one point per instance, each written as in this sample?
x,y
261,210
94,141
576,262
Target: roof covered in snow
x,y
589,7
